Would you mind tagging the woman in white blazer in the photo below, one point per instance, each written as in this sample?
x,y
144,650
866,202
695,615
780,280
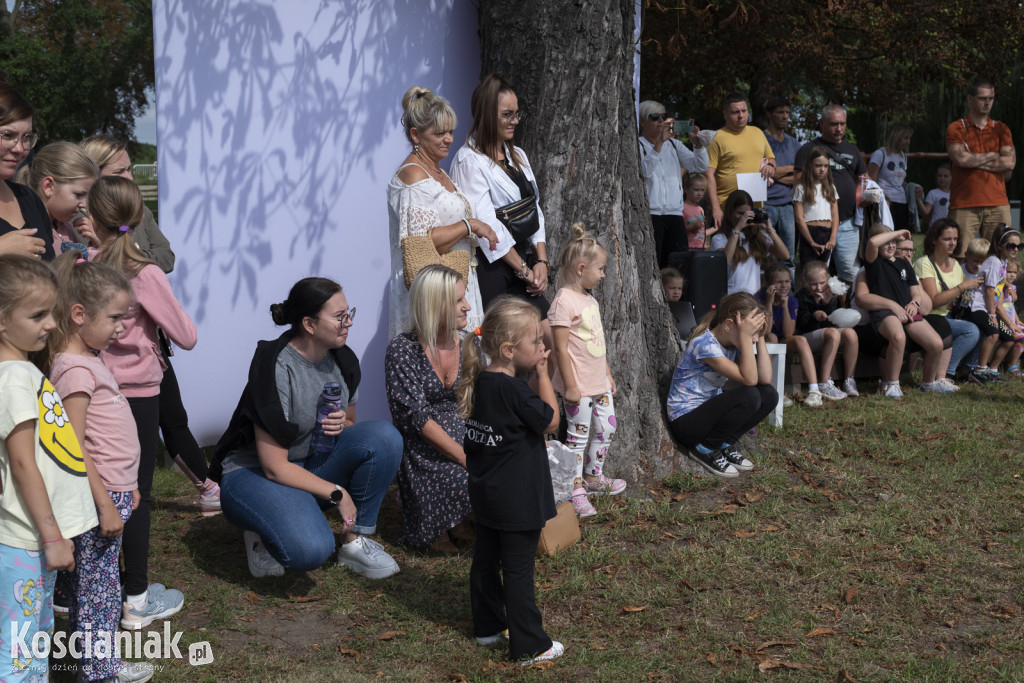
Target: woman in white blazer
x,y
492,173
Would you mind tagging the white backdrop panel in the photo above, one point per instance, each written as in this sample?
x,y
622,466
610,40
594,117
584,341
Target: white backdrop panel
x,y
278,126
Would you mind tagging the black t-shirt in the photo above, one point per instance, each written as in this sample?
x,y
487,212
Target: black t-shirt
x,y
34,213
509,476
842,178
891,279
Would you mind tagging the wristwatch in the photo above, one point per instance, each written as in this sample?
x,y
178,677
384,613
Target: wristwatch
x,y
337,494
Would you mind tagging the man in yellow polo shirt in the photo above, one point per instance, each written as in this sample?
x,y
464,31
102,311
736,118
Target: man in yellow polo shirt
x,y
737,148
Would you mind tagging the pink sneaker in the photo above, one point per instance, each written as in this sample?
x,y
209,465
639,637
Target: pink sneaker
x,y
209,502
581,504
603,486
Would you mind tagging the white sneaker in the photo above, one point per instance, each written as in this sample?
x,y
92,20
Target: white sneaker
x,y
830,391
487,641
813,399
948,383
367,558
850,387
261,562
554,652
787,402
892,390
134,672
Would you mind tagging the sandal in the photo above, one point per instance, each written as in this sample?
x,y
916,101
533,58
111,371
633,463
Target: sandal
x,y
1014,370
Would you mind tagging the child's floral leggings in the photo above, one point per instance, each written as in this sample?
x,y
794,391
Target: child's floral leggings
x,y
591,422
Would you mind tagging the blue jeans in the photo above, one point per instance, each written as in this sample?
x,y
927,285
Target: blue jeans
x,y
784,223
290,521
845,253
966,336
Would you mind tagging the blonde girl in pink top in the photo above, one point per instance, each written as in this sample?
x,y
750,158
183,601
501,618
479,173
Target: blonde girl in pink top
x,y
115,206
91,307
583,376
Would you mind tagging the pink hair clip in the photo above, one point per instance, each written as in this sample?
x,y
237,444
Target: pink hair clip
x,y
81,260
124,228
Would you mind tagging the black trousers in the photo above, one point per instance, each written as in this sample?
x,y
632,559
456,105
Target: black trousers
x,y
501,589
136,530
669,237
819,234
174,425
723,419
498,278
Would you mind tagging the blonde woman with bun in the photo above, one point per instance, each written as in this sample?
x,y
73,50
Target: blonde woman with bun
x,y
423,200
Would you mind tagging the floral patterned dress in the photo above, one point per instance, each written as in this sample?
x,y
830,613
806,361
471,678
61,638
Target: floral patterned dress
x,y
434,489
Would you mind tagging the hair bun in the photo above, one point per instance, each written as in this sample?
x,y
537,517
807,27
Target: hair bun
x,y
413,94
279,313
579,230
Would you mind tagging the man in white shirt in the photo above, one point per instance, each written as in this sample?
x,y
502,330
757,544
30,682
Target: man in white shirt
x,y
662,160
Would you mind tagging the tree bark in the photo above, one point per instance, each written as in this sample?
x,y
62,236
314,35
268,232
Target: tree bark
x,y
571,64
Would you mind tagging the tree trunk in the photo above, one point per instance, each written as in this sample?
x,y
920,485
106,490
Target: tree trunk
x,y
571,64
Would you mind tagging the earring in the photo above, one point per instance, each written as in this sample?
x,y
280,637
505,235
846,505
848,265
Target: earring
x,y
415,149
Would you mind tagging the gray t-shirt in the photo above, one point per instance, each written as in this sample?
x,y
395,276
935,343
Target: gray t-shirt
x,y
300,382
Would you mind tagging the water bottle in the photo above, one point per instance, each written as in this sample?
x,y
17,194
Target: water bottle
x,y
329,402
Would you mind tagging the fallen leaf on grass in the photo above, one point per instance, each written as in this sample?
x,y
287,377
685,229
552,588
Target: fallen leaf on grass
x,y
598,647
858,642
742,533
774,643
1004,612
940,646
353,653
1006,565
633,608
755,614
713,658
951,623
772,527
543,666
306,598
844,677
868,629
252,598
388,635
850,595
687,584
777,664
678,497
244,618
819,632
989,545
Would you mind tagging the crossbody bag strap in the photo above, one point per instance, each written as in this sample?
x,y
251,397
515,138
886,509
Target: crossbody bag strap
x,y
938,274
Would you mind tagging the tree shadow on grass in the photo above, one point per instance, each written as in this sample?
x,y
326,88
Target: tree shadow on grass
x,y
217,550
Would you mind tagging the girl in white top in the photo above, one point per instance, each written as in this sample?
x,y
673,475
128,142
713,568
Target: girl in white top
x,y
888,168
423,200
816,208
746,244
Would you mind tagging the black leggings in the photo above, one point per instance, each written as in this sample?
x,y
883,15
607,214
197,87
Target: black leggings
x,y
723,419
669,237
136,530
178,437
498,278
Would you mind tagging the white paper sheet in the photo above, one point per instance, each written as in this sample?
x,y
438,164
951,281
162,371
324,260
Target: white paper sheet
x,y
754,185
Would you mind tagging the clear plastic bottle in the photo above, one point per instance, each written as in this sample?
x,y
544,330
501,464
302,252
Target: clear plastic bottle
x,y
329,402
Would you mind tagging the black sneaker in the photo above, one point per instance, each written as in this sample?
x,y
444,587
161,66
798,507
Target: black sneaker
x,y
979,378
714,462
736,459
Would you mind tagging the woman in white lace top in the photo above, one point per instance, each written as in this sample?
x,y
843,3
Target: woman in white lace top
x,y
423,200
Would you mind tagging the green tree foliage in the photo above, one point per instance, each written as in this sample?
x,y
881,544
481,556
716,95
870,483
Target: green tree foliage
x,y
882,56
85,65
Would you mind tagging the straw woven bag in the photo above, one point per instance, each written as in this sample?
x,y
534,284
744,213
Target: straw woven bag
x,y
418,252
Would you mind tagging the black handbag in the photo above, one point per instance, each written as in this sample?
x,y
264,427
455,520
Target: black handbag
x,y
520,218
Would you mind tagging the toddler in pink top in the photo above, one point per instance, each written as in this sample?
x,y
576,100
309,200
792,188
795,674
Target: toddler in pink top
x,y
90,311
583,376
115,207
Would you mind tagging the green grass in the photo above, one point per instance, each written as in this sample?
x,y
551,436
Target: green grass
x,y
877,538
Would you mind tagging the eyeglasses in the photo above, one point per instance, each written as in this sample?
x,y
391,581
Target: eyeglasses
x,y
905,250
657,117
8,140
343,318
510,116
